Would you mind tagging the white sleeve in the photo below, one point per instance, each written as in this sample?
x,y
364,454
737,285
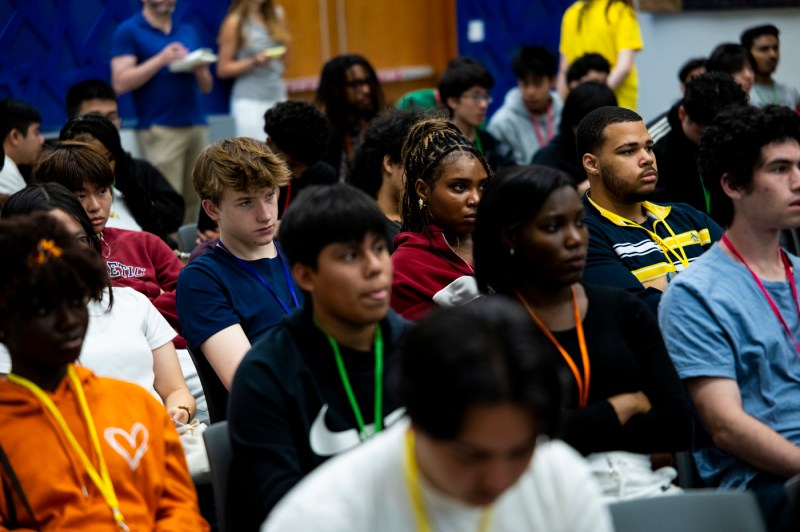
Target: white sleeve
x,y
155,328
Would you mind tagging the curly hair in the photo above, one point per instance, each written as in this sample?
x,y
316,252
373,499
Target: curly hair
x,y
710,93
240,164
299,129
43,264
428,148
384,136
733,146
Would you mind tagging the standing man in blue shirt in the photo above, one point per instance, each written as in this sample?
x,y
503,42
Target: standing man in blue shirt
x,y
172,126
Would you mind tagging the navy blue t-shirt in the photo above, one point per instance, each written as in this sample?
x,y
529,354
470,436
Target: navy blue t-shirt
x,y
215,291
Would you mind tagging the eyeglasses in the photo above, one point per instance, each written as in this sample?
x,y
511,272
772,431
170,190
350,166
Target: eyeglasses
x,y
354,83
478,97
112,117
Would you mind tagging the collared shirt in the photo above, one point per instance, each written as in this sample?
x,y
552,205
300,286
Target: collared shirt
x,y
627,255
11,179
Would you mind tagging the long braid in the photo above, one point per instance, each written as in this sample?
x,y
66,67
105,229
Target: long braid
x,y
426,146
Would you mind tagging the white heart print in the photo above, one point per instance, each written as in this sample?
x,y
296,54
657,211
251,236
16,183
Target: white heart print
x,y
113,435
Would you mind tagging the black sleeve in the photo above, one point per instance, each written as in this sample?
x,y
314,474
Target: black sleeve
x,y
266,464
667,427
167,204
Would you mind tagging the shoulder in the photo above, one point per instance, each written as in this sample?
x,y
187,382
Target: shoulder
x,y
345,492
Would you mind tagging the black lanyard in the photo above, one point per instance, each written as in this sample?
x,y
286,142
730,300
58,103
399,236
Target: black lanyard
x,y
263,281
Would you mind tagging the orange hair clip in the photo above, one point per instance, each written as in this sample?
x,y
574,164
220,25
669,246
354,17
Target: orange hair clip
x,y
45,250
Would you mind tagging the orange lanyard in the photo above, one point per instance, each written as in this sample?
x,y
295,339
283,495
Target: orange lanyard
x,y
583,383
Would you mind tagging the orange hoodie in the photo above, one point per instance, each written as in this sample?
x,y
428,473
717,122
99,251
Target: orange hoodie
x,y
137,438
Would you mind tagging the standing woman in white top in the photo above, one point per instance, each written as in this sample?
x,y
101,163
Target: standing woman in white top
x,y
250,42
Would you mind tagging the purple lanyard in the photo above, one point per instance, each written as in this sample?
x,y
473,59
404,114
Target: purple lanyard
x,y
263,281
789,276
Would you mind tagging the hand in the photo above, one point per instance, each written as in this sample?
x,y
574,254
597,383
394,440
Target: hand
x,y
259,60
173,52
658,284
208,234
627,405
179,415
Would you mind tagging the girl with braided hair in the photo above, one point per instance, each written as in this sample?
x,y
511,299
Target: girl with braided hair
x,y
445,177
79,452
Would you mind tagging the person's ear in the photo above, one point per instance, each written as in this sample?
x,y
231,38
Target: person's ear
x,y
211,208
14,137
305,276
729,186
591,164
681,113
387,166
509,237
421,188
451,102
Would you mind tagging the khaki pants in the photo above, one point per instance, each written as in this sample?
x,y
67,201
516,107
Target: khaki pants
x,y
173,150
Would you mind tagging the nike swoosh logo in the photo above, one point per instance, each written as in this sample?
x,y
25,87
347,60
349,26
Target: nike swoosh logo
x,y
325,442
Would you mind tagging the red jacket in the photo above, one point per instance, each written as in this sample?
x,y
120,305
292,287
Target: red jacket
x,y
143,261
424,264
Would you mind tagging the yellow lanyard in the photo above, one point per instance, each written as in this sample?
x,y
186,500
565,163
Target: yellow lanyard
x,y
102,479
665,248
411,472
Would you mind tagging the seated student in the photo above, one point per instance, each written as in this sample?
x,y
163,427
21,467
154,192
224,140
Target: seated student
x,y
445,177
127,338
588,67
530,114
299,134
378,167
464,89
21,139
87,452
232,295
155,205
560,153
633,244
530,244
350,95
482,396
731,322
136,259
312,387
763,46
690,70
732,59
676,138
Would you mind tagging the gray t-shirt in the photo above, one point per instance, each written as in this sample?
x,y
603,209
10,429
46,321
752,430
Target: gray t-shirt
x,y
261,83
716,322
775,94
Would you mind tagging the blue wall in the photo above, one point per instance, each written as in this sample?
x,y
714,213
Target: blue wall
x,y
509,25
48,45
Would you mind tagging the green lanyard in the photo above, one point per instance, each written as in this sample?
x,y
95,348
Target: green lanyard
x,y
478,143
362,429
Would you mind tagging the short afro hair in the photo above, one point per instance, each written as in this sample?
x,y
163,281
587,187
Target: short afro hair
x,y
590,136
733,146
710,93
299,129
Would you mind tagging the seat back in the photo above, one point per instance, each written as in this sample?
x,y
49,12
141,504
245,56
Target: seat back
x,y
187,236
218,446
214,390
691,511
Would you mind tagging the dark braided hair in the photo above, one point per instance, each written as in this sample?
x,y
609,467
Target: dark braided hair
x,y
428,147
